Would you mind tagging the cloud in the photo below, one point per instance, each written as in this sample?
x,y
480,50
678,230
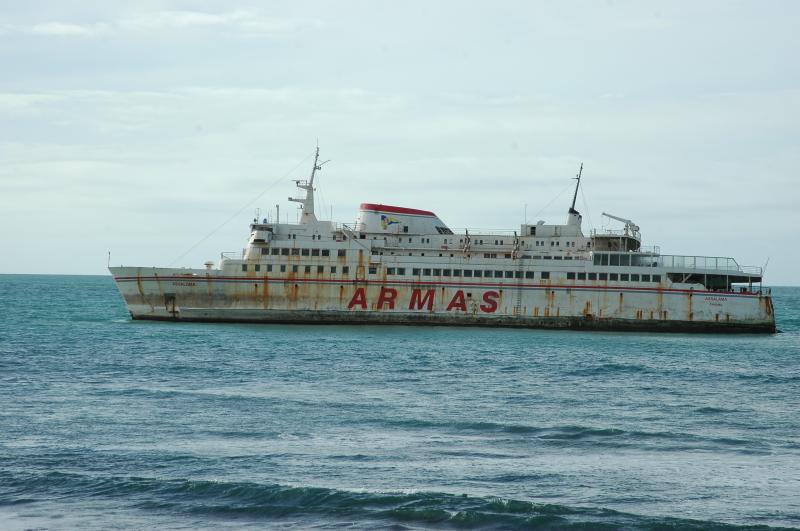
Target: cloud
x,y
61,29
242,22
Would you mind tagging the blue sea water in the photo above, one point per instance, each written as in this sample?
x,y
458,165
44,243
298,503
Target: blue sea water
x,y
107,423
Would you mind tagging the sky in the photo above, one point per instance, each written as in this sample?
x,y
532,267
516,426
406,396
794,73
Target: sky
x,y
154,129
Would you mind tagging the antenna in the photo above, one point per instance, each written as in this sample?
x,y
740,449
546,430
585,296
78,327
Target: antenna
x,y
577,185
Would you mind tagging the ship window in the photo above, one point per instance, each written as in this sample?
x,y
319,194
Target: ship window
x,y
326,252
426,272
533,231
544,275
570,276
456,272
613,276
295,251
345,270
558,257
581,276
517,274
567,258
244,267
623,277
415,271
437,272
558,243
333,269
283,269
645,278
390,271
373,270
341,252
362,236
304,252
624,260
509,274
468,272
445,272
405,228
401,270
269,268
614,260
314,252
634,278
320,269
258,267
528,274
603,276
478,273
294,269
597,258
592,276
508,255
603,259
308,269
547,257
495,242
284,252
656,278
498,274
264,250
552,243
275,250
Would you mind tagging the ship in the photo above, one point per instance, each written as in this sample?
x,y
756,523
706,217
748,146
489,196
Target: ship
x,y
405,266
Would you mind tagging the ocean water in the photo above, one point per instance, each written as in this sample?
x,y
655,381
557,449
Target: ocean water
x,y
107,423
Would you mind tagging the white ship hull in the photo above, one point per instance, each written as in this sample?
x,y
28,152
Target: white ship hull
x,y
199,295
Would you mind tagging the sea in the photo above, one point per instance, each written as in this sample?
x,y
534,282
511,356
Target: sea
x,y
107,423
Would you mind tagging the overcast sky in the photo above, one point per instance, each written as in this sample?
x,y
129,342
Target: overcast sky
x,y
140,127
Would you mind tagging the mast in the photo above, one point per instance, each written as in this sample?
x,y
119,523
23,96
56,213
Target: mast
x,y
307,203
577,185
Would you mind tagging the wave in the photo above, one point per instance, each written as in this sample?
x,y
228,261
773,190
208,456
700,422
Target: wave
x,y
572,435
360,509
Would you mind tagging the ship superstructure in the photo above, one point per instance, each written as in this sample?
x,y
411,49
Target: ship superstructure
x,y
406,266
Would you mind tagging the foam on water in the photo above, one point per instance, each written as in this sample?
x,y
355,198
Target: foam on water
x,y
108,423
